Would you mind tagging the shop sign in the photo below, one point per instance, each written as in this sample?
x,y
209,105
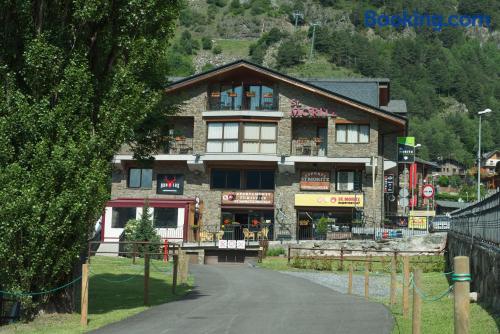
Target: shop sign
x,y
388,183
247,197
232,244
311,112
314,180
417,223
335,200
170,184
406,149
423,213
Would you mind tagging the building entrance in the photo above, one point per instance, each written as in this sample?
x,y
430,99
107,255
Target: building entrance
x,y
238,224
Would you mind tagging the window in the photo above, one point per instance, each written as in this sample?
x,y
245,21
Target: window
x,y
140,178
165,217
242,97
222,137
225,179
349,181
353,133
259,179
120,216
259,138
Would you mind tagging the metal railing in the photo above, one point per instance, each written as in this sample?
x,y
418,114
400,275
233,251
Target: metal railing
x,y
480,220
308,147
179,146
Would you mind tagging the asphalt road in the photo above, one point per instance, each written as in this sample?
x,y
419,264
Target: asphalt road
x,y
241,299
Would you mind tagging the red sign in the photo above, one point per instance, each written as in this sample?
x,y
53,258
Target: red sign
x,y
428,191
413,175
311,112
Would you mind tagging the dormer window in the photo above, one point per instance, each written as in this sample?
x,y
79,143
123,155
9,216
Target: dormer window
x,y
242,97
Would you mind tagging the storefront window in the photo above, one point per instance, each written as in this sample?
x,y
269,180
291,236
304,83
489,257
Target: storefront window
x,y
234,223
319,224
120,216
165,217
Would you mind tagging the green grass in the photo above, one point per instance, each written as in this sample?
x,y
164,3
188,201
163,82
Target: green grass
x,y
110,302
320,67
234,47
437,316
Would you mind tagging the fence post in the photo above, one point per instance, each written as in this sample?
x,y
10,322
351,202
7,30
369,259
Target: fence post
x,y
341,258
288,254
146,279
85,294
393,281
134,253
183,267
406,283
461,280
417,303
349,283
370,262
174,277
367,292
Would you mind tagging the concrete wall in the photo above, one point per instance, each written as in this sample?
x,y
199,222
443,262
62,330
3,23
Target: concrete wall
x,y
484,267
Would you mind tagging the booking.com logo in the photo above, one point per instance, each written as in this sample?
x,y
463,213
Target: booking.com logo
x,y
434,21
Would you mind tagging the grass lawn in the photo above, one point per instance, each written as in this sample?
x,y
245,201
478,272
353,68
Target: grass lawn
x,y
110,301
437,316
235,47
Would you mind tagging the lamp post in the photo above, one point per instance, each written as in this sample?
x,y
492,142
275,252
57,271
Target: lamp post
x,y
485,111
412,185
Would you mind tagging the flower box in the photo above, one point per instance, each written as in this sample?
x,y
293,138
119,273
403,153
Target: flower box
x,y
215,94
250,94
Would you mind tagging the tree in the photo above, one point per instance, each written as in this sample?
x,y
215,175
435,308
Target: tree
x,y
78,78
206,43
142,229
290,53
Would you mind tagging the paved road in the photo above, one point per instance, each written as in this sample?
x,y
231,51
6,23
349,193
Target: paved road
x,y
242,300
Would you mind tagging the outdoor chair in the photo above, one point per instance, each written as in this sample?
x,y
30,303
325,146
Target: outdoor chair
x,y
247,234
262,234
219,235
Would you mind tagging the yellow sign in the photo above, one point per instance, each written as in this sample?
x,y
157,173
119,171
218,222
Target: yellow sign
x,y
417,223
422,213
335,200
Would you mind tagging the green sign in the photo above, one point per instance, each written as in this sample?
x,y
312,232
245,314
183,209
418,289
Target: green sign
x,y
406,150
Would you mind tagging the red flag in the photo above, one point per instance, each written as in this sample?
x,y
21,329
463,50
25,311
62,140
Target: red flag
x,y
413,175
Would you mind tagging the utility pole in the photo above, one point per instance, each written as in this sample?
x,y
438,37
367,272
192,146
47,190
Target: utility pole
x,y
296,14
314,25
485,111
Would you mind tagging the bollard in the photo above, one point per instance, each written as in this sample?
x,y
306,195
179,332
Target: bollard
x,y
146,279
174,274
393,282
406,287
288,254
349,283
367,292
461,279
416,318
85,294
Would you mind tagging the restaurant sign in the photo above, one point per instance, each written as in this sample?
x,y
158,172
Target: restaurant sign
x,y
170,184
311,112
329,200
247,197
315,180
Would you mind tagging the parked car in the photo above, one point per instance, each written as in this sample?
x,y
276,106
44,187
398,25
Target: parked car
x,y
439,224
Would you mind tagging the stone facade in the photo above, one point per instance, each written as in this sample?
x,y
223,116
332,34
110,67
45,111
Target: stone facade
x,y
191,122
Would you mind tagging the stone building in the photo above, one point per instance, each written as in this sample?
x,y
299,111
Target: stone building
x,y
258,149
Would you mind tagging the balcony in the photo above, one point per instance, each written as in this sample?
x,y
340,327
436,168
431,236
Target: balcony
x,y
242,97
179,145
313,147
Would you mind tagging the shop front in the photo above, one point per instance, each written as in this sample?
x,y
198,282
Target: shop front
x,y
247,215
327,216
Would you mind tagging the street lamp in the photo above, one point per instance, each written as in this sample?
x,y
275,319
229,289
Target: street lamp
x,y
485,111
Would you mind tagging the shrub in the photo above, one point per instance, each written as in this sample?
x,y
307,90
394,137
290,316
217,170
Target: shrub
x,y
290,53
217,50
276,251
206,43
142,230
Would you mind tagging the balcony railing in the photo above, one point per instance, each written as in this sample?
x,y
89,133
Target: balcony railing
x,y
179,145
313,147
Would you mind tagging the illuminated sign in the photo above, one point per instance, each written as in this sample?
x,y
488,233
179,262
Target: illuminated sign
x,y
335,200
170,184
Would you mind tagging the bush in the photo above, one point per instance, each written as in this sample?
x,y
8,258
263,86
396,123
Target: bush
x,y
207,66
443,181
206,43
276,251
290,53
217,50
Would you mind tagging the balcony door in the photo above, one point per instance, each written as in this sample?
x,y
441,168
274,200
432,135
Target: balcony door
x,y
323,134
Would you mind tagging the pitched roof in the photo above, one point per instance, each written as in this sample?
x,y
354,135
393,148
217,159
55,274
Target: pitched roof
x,y
185,82
489,154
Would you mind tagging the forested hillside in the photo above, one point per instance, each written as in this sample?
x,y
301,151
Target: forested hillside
x,y
445,76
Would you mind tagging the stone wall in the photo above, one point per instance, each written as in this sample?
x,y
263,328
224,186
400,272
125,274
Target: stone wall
x,y
484,267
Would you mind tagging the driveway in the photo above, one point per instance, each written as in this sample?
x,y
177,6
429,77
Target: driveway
x,y
241,299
